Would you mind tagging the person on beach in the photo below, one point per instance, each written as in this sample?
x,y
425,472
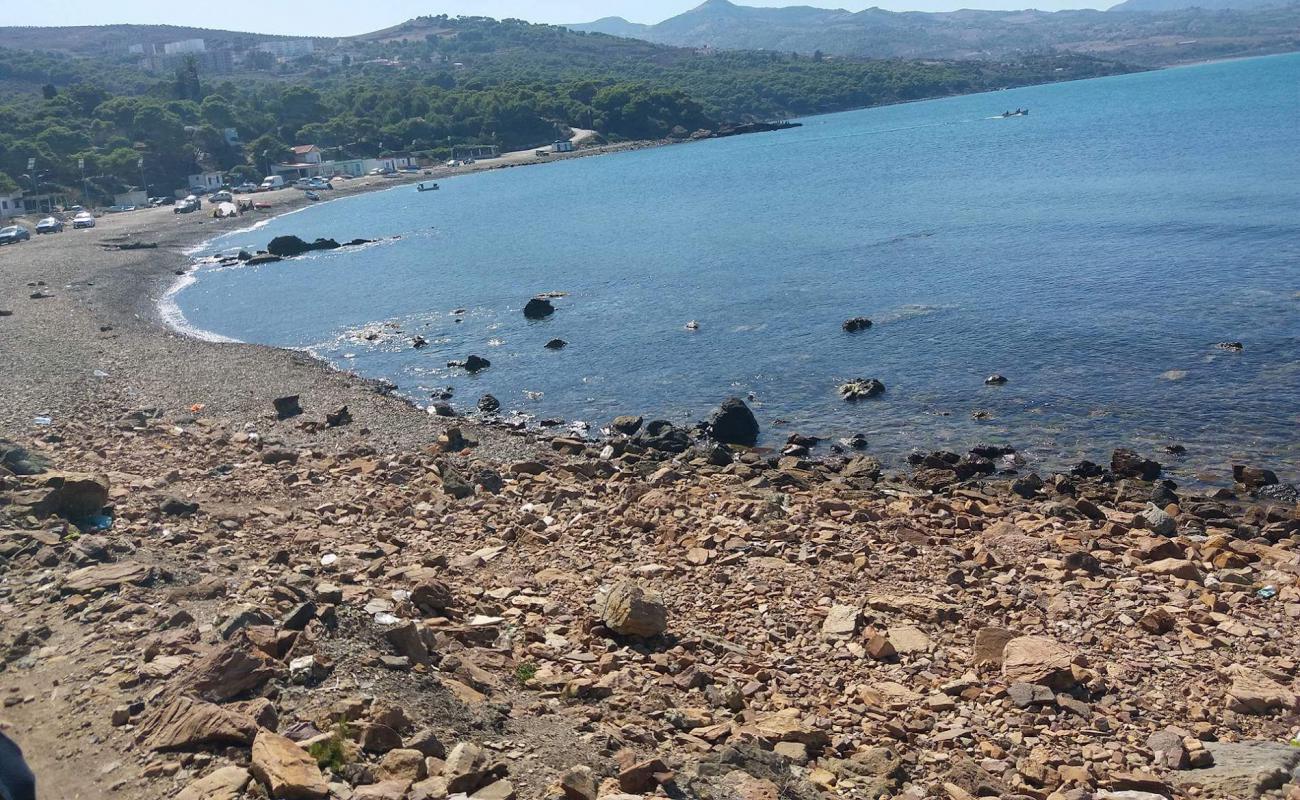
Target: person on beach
x,y
16,779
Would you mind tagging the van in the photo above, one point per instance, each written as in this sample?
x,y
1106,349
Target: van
x,y
272,182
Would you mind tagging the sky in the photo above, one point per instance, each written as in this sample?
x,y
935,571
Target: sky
x,y
347,17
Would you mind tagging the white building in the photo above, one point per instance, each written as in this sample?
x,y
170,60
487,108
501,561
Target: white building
x,y
288,48
11,205
185,46
206,181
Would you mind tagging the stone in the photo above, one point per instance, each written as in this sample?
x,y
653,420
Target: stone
x,y
279,455
1157,521
379,738
174,506
497,790
995,380
1037,659
390,789
1253,477
186,723
556,344
909,639
1174,568
489,404
627,425
1253,692
402,764
287,407
432,596
538,308
407,641
855,324
103,577
733,423
989,644
841,622
71,495
1125,463
233,669
579,783
226,783
639,777
1242,769
288,771
466,769
1167,749
471,364
290,246
631,610
861,389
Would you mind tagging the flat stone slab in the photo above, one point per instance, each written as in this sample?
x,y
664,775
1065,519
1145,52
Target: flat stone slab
x,y
1243,769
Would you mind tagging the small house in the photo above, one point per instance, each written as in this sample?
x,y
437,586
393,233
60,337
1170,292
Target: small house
x,y
562,146
135,197
11,205
206,182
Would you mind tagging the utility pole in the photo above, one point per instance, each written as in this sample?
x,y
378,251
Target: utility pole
x,y
85,189
143,184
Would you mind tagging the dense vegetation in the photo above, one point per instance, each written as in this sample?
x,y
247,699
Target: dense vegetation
x,y
430,84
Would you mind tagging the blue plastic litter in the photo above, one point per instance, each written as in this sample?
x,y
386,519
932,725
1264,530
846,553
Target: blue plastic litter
x,y
95,522
1267,593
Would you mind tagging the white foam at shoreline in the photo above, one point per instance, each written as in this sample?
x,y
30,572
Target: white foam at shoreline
x,y
172,316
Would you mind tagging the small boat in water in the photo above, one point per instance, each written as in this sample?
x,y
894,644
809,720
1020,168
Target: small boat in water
x,y
426,187
1019,112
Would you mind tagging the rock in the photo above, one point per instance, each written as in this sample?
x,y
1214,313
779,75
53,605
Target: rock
x,y
231,670
1235,347
379,738
289,246
419,342
856,324
556,344
1173,567
184,723
287,407
734,423
407,641
337,417
288,771
402,764
279,455
630,610
467,768
1156,520
841,622
861,389
489,404
1167,749
1252,692
1024,695
174,506
538,308
640,777
627,425
226,783
862,467
432,596
579,783
1242,769
391,789
662,435
471,364
70,495
1037,659
108,577
444,410
995,380
1128,464
1253,477
497,790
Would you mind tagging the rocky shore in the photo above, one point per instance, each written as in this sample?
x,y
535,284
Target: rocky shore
x,y
205,593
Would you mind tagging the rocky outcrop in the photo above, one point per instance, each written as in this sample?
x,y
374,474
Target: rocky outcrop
x,y
471,364
861,389
184,723
734,423
289,246
855,324
286,770
538,308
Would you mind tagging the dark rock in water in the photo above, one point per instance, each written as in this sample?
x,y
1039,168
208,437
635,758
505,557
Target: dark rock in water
x,y
418,342
995,380
178,507
802,441
1253,477
862,467
4,312
992,450
1087,469
861,389
287,407
1128,464
857,441
356,242
489,404
627,425
442,394
734,423
556,344
1281,492
444,410
796,450
289,246
856,324
244,255
1235,347
471,364
753,127
974,465
340,416
550,423
1176,450
263,258
539,308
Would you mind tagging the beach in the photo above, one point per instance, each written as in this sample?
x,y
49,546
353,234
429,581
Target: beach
x,y
203,596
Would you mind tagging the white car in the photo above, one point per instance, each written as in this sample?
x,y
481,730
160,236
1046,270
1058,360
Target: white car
x,y
83,220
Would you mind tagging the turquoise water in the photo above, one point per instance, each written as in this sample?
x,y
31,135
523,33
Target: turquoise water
x,y
1093,252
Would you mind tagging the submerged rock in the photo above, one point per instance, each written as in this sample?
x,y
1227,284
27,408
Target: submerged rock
x,y
856,324
556,344
471,363
861,389
489,404
538,308
995,380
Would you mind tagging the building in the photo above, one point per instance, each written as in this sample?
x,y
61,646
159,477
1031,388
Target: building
x,y
562,146
206,181
11,205
465,152
185,47
288,48
135,197
355,167
43,203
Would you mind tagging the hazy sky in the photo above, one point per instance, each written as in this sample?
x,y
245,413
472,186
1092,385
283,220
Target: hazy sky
x,y
344,17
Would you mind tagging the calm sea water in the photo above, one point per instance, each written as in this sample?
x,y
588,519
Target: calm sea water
x,y
1093,252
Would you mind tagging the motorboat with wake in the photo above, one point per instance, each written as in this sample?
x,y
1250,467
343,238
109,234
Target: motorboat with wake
x,y
426,187
1019,112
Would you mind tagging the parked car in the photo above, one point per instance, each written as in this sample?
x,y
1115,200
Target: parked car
x,y
84,219
156,202
222,196
245,188
118,209
187,206
272,182
318,183
49,225
14,234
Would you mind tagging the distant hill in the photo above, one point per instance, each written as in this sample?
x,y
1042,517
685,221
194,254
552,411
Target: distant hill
x,y
93,40
1171,33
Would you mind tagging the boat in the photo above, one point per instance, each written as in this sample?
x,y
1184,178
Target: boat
x,y
422,187
1019,112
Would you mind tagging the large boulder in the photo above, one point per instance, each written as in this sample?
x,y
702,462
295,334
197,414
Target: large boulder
x,y
1037,659
734,423
231,670
627,424
288,246
184,723
631,610
538,308
1253,692
71,495
108,577
471,363
1242,769
1125,463
861,389
288,771
226,783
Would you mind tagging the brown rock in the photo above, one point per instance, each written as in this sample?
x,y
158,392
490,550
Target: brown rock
x,y
184,723
226,783
108,577
639,778
579,783
402,764
989,644
233,669
287,771
1037,659
630,610
1252,692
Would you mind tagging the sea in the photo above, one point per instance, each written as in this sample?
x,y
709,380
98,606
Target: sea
x,y
1095,252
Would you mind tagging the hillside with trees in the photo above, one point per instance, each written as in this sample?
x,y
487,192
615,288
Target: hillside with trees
x,y
426,86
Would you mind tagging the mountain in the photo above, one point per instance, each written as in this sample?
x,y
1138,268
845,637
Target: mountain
x,y
1164,36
